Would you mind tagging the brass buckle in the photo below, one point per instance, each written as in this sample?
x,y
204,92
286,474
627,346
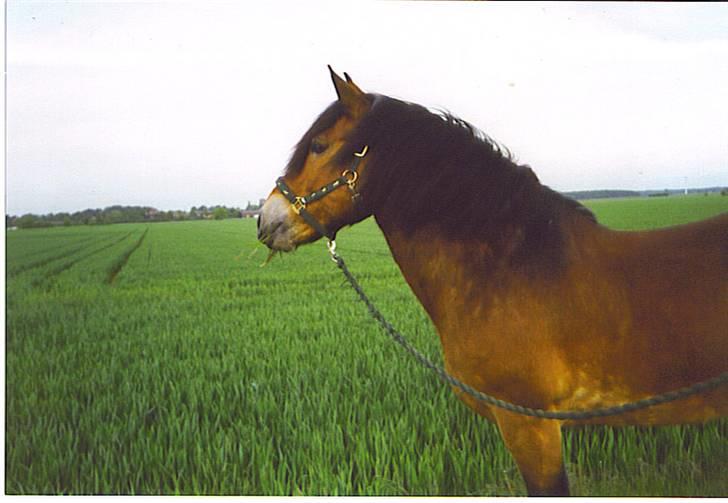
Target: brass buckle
x,y
298,204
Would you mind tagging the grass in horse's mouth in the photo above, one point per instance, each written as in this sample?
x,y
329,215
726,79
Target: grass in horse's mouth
x,y
271,254
256,249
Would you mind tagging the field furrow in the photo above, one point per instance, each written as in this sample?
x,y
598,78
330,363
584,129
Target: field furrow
x,y
121,261
50,274
31,251
56,254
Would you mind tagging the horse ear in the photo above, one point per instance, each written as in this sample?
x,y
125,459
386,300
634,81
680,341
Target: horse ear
x,y
348,92
350,81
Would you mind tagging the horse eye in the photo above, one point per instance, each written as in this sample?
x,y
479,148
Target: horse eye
x,y
318,147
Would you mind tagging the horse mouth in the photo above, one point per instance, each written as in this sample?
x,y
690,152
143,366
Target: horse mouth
x,y
280,230
277,239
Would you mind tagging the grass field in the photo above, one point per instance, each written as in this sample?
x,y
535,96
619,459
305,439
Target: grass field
x,y
161,359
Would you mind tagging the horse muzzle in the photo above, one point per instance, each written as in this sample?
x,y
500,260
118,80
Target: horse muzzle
x,y
274,225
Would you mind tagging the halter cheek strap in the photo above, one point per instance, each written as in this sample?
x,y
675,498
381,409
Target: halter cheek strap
x,y
348,178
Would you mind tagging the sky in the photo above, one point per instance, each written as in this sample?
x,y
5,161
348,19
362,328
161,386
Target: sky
x,y
180,104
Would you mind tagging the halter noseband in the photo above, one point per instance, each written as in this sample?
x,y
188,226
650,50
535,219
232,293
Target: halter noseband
x,y
348,177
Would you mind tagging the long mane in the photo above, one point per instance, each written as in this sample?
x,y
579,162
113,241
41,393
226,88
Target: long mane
x,y
436,169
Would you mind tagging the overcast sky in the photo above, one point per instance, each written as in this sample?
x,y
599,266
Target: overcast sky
x,y
179,104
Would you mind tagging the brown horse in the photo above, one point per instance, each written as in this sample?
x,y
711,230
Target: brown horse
x,y
533,300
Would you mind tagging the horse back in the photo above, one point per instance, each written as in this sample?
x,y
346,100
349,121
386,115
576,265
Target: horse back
x,y
676,283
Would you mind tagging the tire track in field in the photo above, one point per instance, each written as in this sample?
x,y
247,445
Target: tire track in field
x,y
67,265
47,260
124,258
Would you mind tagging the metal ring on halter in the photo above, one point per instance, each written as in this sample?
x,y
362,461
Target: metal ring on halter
x,y
354,176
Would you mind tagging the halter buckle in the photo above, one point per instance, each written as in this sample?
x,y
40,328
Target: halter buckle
x,y
299,204
363,152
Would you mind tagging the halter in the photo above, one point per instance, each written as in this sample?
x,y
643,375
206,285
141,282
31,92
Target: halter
x,y
348,177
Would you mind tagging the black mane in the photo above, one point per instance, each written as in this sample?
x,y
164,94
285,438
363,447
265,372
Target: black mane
x,y
436,169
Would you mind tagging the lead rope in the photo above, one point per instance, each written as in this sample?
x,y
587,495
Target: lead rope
x,y
670,396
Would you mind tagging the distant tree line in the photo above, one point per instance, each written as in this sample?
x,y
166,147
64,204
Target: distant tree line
x,y
121,214
599,194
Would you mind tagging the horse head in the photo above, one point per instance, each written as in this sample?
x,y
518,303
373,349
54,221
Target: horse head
x,y
319,192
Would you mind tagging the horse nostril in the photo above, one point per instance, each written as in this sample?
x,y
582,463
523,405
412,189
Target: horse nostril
x,y
267,229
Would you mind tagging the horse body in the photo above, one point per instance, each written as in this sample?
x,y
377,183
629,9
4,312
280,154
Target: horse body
x,y
534,301
622,322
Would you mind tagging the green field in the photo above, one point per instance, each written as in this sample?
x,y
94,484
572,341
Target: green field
x,y
161,359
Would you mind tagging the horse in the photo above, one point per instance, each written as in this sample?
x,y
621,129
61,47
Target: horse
x,y
533,300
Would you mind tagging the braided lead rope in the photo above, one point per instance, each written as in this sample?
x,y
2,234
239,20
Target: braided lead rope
x,y
526,411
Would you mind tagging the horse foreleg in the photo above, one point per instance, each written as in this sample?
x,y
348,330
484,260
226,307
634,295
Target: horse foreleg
x,y
536,447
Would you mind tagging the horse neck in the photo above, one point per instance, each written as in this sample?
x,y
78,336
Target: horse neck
x,y
436,268
457,277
